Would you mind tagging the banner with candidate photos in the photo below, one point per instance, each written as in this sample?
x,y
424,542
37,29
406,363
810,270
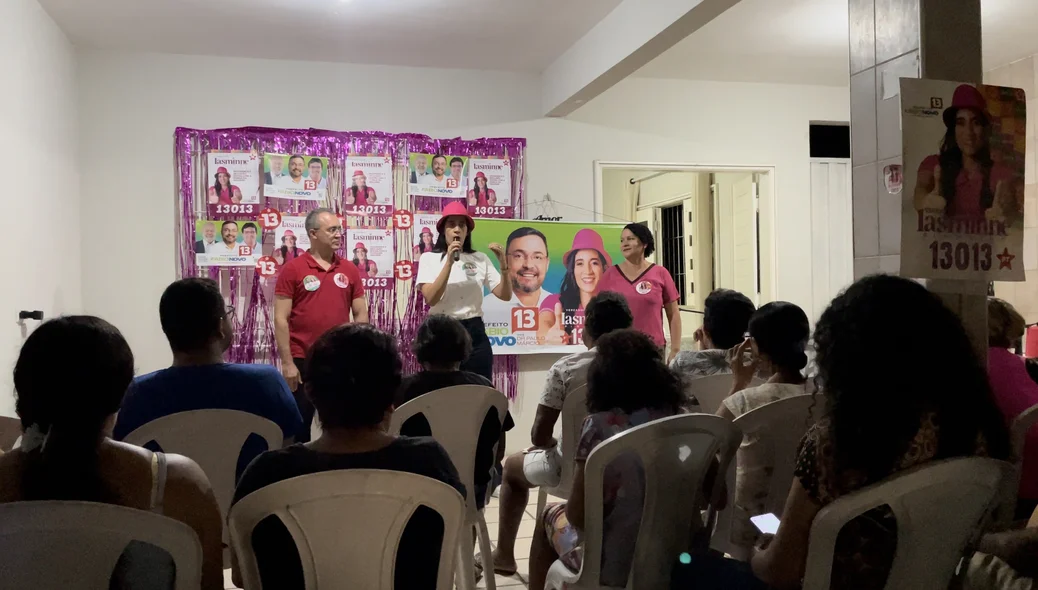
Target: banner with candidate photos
x,y
295,176
233,184
227,243
555,269
489,191
964,148
438,175
371,250
369,185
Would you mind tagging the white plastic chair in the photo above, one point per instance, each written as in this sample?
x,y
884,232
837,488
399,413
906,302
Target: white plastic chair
x,y
1018,439
76,545
778,427
213,439
10,432
712,390
574,411
455,416
940,508
347,525
675,453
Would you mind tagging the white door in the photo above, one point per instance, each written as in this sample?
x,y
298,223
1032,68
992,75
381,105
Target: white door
x,y
832,241
744,237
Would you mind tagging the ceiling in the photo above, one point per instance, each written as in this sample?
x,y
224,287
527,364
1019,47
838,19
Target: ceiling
x,y
513,35
805,42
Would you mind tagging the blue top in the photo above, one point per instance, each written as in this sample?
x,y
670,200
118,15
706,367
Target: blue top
x,y
256,389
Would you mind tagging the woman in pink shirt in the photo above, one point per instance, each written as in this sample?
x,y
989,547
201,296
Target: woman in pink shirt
x,y
360,260
562,315
479,195
223,192
360,193
648,288
963,180
1014,391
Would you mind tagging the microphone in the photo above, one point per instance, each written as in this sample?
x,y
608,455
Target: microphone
x,y
457,253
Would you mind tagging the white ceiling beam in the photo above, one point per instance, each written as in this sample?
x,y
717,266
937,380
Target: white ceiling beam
x,y
630,36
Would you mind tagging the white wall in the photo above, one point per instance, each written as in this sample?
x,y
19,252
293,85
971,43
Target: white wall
x,y
131,103
40,223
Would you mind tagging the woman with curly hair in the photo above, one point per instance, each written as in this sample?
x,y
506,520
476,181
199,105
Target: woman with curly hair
x,y
924,403
628,385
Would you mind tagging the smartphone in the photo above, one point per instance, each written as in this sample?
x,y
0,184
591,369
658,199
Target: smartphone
x,y
766,523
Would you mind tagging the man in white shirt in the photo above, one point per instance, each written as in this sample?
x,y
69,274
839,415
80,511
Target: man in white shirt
x,y
541,464
228,246
527,254
438,177
316,167
296,165
251,234
457,165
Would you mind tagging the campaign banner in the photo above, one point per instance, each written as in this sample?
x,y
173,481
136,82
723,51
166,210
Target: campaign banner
x,y
290,239
438,175
555,269
424,233
295,176
962,210
369,185
227,243
489,191
233,187
371,250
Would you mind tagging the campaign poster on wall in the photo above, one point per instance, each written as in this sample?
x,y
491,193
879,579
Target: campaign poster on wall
x,y
369,185
489,191
233,185
371,250
295,176
425,234
438,175
290,239
962,207
227,243
555,269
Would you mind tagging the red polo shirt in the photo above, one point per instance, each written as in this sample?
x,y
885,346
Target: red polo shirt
x,y
321,299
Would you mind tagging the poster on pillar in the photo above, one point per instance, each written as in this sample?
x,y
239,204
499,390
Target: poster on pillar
x,y
554,269
962,210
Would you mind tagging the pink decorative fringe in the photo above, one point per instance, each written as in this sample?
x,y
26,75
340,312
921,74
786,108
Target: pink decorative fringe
x,y
252,295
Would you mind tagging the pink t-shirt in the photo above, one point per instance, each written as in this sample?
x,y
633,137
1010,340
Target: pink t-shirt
x,y
1014,392
966,202
646,296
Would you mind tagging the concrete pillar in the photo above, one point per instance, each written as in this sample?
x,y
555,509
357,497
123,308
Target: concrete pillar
x,y
892,39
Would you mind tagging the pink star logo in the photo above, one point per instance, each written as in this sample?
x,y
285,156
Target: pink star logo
x,y
1005,259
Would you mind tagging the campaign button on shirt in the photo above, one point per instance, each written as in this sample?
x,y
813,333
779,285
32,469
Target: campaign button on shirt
x,y
643,288
341,280
311,283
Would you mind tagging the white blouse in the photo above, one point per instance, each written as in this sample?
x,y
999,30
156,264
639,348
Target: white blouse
x,y
463,298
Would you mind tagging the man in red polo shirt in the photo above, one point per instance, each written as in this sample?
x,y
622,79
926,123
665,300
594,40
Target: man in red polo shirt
x,y
315,292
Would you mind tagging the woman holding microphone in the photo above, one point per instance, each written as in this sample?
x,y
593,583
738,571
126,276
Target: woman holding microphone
x,y
648,288
453,276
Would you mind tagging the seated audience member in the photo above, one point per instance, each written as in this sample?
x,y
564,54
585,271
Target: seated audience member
x,y
541,464
725,317
778,336
930,403
628,385
66,408
1006,560
441,345
1014,392
197,324
352,372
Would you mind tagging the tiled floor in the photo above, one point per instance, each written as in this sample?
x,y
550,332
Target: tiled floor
x,y
522,545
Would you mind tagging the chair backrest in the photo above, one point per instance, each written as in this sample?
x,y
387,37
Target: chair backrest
x,y
213,439
10,432
574,411
940,507
712,390
347,525
73,545
455,416
779,426
1018,441
675,453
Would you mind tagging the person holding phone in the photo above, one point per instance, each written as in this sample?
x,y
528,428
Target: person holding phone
x,y
778,334
453,277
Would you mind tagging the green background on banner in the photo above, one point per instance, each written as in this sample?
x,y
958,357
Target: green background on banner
x,y
560,240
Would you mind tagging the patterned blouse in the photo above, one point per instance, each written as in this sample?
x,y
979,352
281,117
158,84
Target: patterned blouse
x,y
865,546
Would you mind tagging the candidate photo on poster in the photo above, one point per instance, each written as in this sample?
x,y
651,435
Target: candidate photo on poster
x,y
490,184
964,149
295,176
234,178
290,239
425,234
370,180
438,175
237,243
222,191
366,266
359,193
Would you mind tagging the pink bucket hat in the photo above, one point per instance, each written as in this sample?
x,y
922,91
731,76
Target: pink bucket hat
x,y
357,173
360,246
455,208
481,175
289,234
966,97
222,170
588,239
426,231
